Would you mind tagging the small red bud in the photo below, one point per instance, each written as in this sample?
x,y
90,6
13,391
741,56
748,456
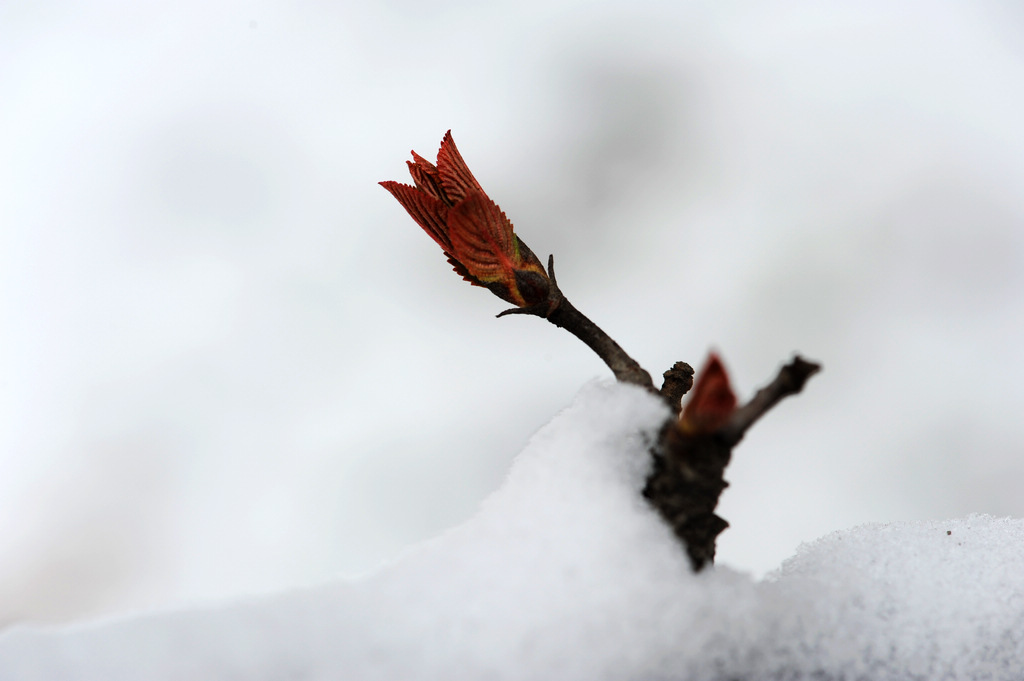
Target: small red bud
x,y
712,400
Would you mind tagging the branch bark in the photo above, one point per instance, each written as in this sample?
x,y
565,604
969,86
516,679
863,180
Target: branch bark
x,y
678,381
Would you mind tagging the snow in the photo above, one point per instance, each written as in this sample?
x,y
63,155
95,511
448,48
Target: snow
x,y
212,314
566,573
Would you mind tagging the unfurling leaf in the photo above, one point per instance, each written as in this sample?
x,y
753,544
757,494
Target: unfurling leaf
x,y
711,401
451,206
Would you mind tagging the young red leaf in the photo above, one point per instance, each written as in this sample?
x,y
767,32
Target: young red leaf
x,y
451,206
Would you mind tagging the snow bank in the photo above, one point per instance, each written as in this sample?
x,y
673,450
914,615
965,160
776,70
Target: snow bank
x,y
566,573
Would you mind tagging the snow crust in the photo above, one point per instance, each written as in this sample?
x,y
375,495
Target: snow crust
x,y
566,573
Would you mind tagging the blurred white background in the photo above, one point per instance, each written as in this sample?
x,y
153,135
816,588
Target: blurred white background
x,y
230,363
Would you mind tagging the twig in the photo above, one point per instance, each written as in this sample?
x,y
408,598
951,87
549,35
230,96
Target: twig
x,y
559,311
789,381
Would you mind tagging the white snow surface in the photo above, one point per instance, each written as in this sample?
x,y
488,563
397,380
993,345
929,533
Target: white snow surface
x,y
231,364
566,573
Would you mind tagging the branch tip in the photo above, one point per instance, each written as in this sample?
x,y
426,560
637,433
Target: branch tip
x,y
790,380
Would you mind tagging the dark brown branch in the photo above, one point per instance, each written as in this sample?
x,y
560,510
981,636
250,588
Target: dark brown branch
x,y
688,475
560,312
